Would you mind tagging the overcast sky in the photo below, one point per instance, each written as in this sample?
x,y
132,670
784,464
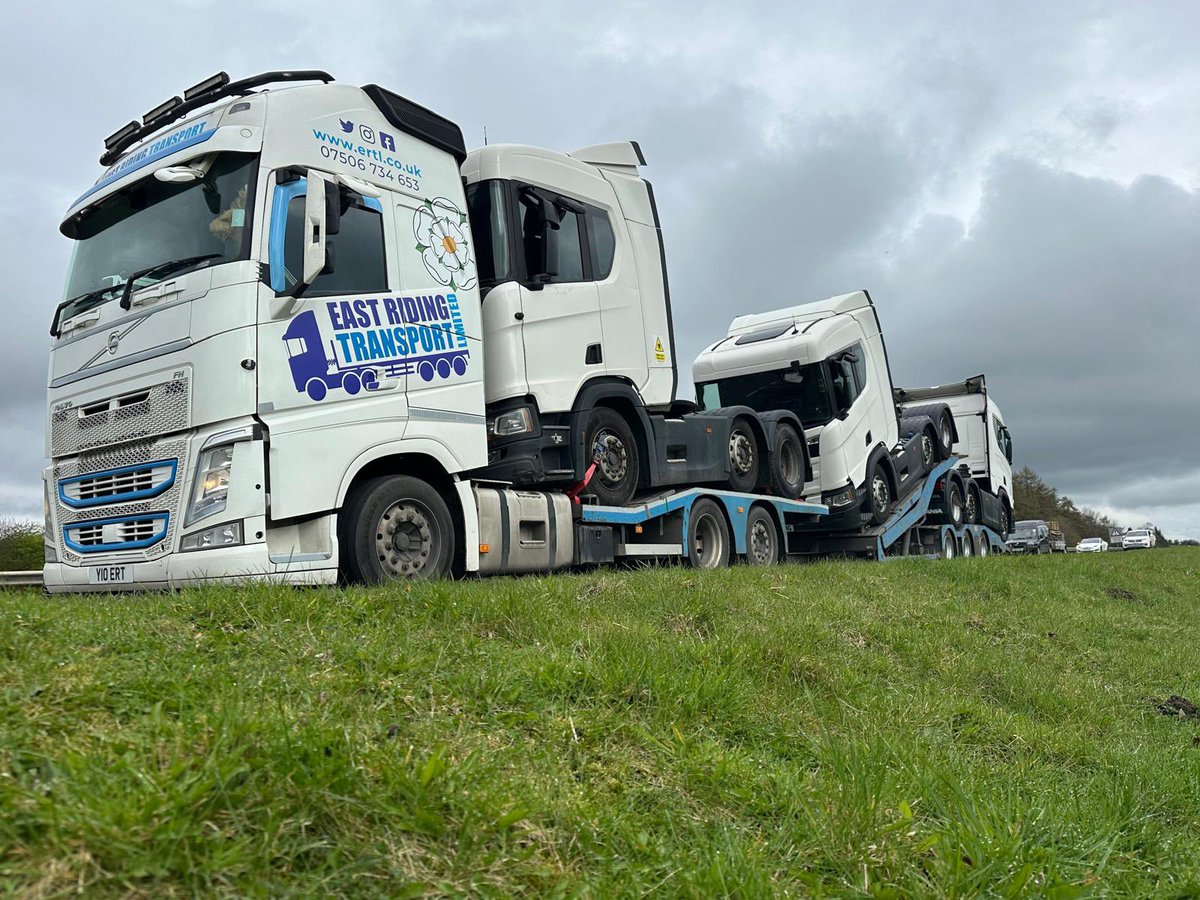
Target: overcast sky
x,y
1015,183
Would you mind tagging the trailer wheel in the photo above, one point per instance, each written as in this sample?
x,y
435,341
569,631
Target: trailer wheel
x,y
985,545
949,544
611,445
880,491
762,540
744,454
971,511
968,544
787,463
708,536
395,527
954,502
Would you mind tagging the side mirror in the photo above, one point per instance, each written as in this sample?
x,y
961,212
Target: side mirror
x,y
544,232
316,214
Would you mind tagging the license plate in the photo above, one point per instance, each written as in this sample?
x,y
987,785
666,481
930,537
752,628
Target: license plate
x,y
110,574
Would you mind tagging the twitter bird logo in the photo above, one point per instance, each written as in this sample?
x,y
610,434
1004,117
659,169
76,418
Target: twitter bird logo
x,y
346,126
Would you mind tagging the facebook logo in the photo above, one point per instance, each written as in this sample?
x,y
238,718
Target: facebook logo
x,y
388,142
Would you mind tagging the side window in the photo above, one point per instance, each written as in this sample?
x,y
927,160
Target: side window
x,y
602,243
860,367
846,387
359,256
488,212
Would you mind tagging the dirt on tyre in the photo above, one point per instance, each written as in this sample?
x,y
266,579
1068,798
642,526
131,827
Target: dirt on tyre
x,y
745,455
762,538
708,544
393,528
611,445
879,494
787,463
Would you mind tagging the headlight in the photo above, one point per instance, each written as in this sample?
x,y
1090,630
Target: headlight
x,y
210,487
844,497
515,421
228,535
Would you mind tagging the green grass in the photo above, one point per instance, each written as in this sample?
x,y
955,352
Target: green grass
x,y
911,729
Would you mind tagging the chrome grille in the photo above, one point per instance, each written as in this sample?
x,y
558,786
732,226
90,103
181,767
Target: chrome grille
x,y
118,485
134,415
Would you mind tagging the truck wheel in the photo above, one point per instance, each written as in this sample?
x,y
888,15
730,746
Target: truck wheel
x,y
954,503
971,511
611,445
946,434
762,540
880,492
929,451
787,463
744,454
949,545
968,544
1005,521
708,536
395,527
985,545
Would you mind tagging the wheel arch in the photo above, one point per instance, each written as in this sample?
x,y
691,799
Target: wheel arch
x,y
623,398
881,455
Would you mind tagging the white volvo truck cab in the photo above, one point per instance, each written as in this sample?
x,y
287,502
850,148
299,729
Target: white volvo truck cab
x,y
302,325
826,361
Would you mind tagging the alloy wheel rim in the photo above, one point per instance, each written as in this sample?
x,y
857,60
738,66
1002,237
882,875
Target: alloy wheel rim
x,y
761,542
880,493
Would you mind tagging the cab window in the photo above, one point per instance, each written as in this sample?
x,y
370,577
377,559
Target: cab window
x,y
848,376
358,249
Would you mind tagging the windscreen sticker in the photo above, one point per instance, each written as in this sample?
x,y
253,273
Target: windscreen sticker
x,y
360,342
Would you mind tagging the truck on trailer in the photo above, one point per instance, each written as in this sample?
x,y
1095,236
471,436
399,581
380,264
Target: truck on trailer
x,y
983,441
307,336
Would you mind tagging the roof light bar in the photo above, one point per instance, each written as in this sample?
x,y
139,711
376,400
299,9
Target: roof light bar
x,y
198,95
207,86
119,135
161,110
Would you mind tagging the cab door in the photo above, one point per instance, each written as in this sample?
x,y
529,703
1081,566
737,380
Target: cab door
x,y
323,363
559,303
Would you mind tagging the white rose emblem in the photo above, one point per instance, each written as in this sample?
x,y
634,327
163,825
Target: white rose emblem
x,y
440,229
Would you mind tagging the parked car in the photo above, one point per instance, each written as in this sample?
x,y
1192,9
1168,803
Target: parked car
x,y
1092,545
1139,539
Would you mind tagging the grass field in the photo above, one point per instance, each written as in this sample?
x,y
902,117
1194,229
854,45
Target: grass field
x,y
911,729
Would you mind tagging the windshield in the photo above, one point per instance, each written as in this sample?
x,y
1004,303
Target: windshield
x,y
1025,530
1138,534
153,222
804,392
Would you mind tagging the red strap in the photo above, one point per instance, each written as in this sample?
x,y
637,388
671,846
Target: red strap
x,y
574,492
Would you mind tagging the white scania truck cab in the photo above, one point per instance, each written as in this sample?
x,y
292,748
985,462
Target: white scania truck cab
x,y
984,444
305,334
826,361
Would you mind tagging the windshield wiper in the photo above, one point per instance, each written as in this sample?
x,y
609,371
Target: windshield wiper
x,y
81,299
172,265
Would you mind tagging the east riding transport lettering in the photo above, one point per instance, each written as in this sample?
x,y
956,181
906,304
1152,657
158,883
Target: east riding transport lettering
x,y
382,328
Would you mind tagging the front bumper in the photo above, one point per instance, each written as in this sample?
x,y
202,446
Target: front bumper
x,y
228,565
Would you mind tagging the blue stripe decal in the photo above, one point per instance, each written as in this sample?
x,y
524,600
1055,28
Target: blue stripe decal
x,y
139,159
118,498
164,517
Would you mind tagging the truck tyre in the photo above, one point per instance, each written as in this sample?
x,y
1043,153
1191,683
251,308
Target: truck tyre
x,y
787,463
611,445
708,536
949,544
968,544
744,456
984,545
971,510
395,527
762,540
945,429
954,503
1005,520
879,494
930,456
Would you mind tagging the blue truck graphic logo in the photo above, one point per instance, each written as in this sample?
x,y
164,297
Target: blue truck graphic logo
x,y
376,338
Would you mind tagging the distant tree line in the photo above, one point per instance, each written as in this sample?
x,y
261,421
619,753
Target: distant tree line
x,y
1038,500
20,545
